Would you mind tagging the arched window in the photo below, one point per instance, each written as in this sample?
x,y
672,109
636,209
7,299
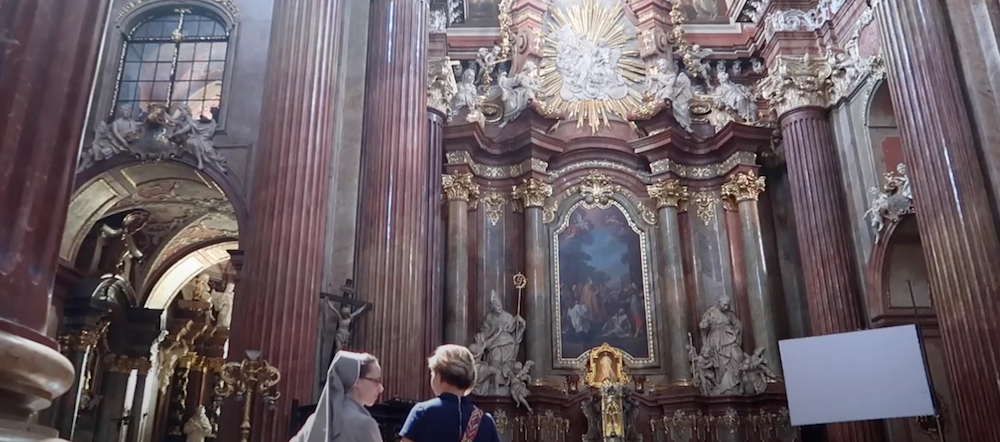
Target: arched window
x,y
174,57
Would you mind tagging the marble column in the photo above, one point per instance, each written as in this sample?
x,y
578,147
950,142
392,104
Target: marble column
x,y
48,56
277,309
745,188
670,196
532,194
459,190
114,386
397,193
78,346
799,91
136,418
957,231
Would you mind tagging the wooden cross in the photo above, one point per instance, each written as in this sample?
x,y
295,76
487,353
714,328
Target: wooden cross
x,y
348,296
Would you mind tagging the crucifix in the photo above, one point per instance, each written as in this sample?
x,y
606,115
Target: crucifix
x,y
350,308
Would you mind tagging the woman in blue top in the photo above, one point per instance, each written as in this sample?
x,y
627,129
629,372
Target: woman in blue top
x,y
450,417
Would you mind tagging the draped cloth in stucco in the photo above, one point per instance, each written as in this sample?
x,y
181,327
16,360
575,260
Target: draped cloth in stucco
x,y
327,424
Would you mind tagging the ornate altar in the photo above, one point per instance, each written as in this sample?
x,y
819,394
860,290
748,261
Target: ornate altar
x,y
611,412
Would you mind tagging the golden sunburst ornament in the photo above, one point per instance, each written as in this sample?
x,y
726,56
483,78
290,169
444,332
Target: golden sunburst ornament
x,y
590,64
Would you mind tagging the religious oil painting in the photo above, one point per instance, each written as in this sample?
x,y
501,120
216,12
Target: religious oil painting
x,y
602,285
482,10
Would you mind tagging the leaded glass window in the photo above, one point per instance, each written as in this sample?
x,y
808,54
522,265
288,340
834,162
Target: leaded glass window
x,y
174,57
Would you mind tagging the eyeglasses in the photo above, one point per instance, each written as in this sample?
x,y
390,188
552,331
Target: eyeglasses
x,y
377,381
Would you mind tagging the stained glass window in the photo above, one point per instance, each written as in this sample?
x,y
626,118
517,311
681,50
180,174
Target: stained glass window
x,y
174,57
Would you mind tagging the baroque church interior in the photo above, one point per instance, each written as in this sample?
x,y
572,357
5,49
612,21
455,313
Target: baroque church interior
x,y
620,206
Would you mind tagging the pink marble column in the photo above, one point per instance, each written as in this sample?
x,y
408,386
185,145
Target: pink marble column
x,y
48,56
957,231
276,309
799,94
398,192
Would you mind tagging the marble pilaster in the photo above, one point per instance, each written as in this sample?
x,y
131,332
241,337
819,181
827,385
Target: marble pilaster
x,y
745,188
799,89
397,196
277,310
48,56
78,346
136,418
114,386
459,192
670,197
957,231
532,194
436,247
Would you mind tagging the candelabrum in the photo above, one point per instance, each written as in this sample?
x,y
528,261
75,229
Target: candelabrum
x,y
246,378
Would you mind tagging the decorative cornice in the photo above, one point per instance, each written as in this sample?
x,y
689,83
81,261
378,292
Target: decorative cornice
x,y
744,187
459,186
704,172
496,172
796,81
669,193
532,192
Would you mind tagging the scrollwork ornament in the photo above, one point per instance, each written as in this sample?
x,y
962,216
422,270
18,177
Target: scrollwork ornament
x,y
532,192
493,203
669,193
459,186
597,188
797,81
705,202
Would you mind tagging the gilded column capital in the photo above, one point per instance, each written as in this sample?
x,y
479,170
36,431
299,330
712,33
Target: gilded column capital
x,y
744,187
441,84
80,340
669,193
459,186
125,364
795,81
532,192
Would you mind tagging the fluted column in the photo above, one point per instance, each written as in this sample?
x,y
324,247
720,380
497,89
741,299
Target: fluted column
x,y
745,188
799,91
957,232
277,309
670,196
459,190
397,191
436,248
532,194
48,56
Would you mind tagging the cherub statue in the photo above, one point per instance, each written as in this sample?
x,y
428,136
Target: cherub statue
x,y
876,213
222,302
695,61
519,381
198,426
344,321
755,373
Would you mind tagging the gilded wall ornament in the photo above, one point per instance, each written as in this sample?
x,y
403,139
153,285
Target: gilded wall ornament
x,y
493,203
532,192
459,186
597,189
743,187
669,193
705,202
496,172
704,172
590,65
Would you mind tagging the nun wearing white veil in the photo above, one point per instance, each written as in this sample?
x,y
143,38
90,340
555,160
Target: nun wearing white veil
x,y
353,382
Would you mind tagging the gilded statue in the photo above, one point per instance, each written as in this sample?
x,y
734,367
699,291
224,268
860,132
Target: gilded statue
x,y
611,411
498,342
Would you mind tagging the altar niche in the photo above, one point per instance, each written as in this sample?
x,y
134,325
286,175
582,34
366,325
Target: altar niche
x,y
602,290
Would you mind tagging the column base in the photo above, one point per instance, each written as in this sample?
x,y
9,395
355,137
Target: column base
x,y
14,431
34,375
